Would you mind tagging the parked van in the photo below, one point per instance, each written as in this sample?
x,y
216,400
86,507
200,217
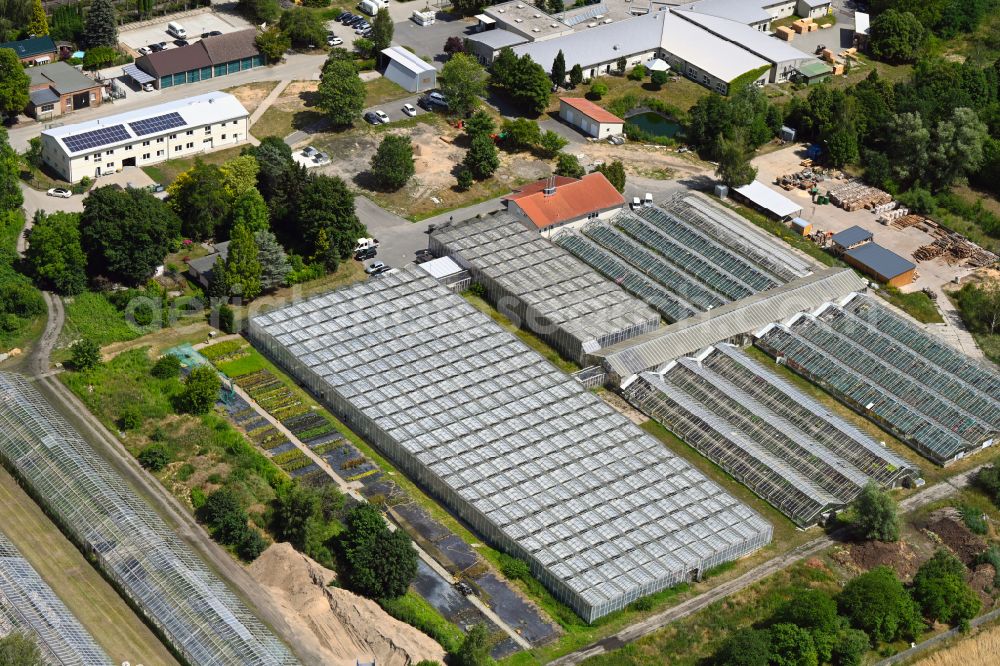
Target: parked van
x,y
369,7
176,30
365,243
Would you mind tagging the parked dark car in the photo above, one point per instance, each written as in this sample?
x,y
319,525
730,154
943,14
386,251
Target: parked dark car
x,y
370,117
180,42
423,256
211,33
366,254
343,14
156,48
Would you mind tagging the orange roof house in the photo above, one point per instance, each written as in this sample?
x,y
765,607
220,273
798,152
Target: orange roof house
x,y
550,203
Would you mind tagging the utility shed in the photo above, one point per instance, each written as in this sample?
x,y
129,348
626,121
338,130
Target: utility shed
x,y
541,286
814,71
537,465
850,238
409,71
763,198
591,119
802,227
882,264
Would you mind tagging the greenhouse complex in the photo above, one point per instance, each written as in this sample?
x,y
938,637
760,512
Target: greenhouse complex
x,y
542,287
30,606
196,612
931,396
783,445
545,470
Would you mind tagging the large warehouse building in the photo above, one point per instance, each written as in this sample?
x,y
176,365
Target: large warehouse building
x,y
136,138
541,286
543,469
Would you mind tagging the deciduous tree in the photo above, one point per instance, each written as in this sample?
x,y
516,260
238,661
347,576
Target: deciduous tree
x,y
792,646
550,143
876,603
201,390
85,354
382,30
614,172
569,165
250,210
392,164
462,81
734,167
745,647
896,36
940,589
14,83
381,563
876,515
54,256
475,650
480,122
199,199
126,233
303,26
341,94
11,197
273,43
850,648
482,159
18,649
521,134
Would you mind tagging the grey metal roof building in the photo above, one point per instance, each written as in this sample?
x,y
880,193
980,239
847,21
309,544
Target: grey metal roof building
x,y
786,447
541,286
935,399
602,513
28,604
731,322
851,237
177,593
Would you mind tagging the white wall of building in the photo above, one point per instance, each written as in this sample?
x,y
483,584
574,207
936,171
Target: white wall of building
x,y
146,150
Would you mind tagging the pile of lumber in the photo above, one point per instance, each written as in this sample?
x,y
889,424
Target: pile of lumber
x,y
855,195
954,248
907,221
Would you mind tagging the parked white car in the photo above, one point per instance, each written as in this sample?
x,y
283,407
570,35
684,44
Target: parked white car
x,y
383,117
409,110
59,192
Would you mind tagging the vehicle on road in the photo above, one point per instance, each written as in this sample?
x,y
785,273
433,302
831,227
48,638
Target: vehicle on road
x,y
370,117
156,48
409,110
375,267
212,33
176,30
180,42
365,243
334,41
383,117
59,192
366,254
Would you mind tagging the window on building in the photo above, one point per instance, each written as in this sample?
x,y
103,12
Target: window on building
x,y
208,129
128,147
160,140
223,137
108,152
159,153
145,143
110,165
178,148
189,145
145,156
172,136
47,107
190,132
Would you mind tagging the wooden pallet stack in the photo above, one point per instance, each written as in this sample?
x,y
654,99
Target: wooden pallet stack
x,y
855,195
955,248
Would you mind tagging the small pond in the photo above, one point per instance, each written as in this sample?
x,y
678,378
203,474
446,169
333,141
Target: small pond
x,y
656,124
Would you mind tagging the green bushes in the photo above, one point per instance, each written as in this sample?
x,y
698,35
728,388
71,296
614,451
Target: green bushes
x,y
380,564
155,457
201,390
973,519
166,367
416,612
514,568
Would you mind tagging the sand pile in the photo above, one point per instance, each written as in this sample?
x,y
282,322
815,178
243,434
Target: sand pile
x,y
341,625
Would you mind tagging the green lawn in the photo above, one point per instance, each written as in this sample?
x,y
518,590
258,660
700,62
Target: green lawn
x,y
917,304
165,173
273,122
382,90
682,93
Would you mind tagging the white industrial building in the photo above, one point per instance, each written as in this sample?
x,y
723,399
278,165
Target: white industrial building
x,y
137,138
408,71
540,467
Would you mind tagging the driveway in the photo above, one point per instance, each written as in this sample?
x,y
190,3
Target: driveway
x,y
428,41
394,109
571,134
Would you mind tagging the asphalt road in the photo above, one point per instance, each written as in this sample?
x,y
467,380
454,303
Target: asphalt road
x,y
656,622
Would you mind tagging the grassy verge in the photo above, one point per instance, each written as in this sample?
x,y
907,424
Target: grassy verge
x,y
412,609
165,173
690,641
90,315
17,331
917,304
382,90
528,338
273,122
682,93
252,94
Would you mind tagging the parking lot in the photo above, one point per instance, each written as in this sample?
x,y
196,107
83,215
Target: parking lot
x,y
394,109
428,41
195,25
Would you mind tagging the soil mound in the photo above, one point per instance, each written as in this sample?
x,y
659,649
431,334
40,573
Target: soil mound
x,y
956,535
342,626
867,555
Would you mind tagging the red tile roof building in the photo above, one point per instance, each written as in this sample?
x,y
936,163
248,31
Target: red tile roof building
x,y
569,200
590,118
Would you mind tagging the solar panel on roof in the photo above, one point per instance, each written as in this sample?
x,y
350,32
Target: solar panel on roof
x,y
157,124
96,138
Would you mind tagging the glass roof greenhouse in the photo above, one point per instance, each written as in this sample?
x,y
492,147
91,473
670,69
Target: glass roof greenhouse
x,y
786,447
543,287
602,512
931,396
29,605
200,616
